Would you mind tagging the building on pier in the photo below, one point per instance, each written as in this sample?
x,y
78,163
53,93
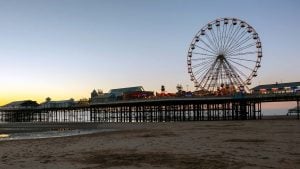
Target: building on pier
x,y
127,93
57,104
120,92
292,87
24,104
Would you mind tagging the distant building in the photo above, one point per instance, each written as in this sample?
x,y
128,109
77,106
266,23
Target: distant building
x,y
105,97
58,104
83,102
291,87
24,104
293,111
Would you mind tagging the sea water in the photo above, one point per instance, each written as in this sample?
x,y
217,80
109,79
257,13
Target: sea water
x,y
50,134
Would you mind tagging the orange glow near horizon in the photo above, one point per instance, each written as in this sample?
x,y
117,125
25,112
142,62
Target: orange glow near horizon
x,y
278,105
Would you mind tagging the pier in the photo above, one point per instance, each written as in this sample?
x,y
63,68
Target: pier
x,y
171,109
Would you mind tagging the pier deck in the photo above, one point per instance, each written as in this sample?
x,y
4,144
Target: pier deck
x,y
239,107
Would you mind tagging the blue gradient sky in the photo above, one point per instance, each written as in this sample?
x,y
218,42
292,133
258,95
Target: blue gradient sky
x,y
66,48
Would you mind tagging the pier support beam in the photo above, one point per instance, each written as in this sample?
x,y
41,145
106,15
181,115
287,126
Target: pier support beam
x,y
298,109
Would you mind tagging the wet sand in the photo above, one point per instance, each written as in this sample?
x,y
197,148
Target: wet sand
x,y
187,145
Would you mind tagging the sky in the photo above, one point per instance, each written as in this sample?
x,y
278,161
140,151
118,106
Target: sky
x,y
66,48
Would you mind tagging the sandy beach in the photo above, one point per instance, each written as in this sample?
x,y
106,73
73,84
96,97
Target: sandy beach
x,y
187,145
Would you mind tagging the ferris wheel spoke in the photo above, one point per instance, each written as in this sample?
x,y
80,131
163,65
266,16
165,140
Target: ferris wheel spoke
x,y
216,77
206,76
212,76
214,82
223,38
240,73
204,54
220,35
219,38
208,45
211,42
237,41
202,75
229,34
212,32
203,60
209,85
205,50
242,59
240,37
232,37
227,37
240,64
202,63
244,41
243,48
242,54
228,74
235,75
223,76
202,70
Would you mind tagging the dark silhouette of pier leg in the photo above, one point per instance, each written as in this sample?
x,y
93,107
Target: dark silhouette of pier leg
x,y
298,109
243,110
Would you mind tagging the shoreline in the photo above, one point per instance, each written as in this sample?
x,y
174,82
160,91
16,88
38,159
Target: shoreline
x,y
31,127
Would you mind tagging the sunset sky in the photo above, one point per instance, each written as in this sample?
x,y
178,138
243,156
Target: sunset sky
x,y
66,48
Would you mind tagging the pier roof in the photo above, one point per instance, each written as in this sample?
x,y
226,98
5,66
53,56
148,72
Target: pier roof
x,y
292,85
120,91
21,104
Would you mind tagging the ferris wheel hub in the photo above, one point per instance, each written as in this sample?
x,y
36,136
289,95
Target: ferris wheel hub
x,y
221,57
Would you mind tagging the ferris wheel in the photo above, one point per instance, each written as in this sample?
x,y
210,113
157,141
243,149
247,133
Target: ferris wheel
x,y
226,51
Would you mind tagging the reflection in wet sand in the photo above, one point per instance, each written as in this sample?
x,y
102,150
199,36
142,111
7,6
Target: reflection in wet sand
x,y
4,135
50,134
